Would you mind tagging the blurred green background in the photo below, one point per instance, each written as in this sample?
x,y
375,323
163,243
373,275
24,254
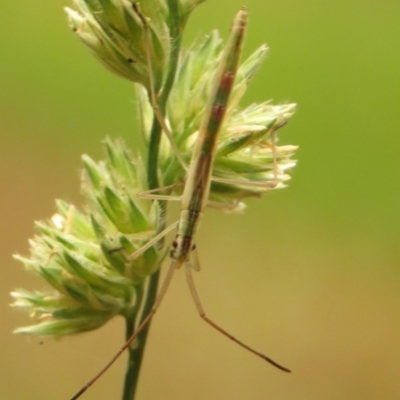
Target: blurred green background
x,y
309,274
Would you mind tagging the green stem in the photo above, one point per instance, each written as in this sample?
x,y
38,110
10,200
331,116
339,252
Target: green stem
x,y
155,136
136,355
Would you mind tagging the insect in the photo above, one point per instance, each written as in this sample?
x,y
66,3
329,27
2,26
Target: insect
x,y
197,187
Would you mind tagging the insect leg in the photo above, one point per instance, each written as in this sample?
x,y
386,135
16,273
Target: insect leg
x,y
149,194
153,241
202,314
160,296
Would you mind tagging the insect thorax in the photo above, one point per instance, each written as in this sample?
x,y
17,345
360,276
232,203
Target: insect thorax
x,y
181,248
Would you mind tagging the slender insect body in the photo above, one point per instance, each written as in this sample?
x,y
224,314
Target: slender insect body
x,y
218,112
198,181
183,243
197,186
227,80
194,199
